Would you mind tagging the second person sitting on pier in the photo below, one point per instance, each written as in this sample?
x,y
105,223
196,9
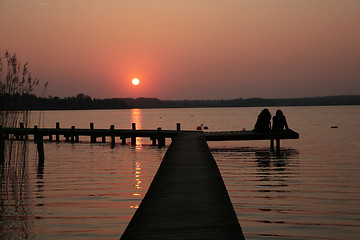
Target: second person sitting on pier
x,y
263,121
279,122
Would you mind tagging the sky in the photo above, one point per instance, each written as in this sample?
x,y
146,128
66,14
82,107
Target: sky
x,y
188,49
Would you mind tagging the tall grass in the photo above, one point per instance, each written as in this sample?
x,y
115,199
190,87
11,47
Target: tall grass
x,y
15,79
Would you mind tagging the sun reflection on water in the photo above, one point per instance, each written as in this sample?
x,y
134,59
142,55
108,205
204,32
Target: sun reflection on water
x,y
136,118
138,182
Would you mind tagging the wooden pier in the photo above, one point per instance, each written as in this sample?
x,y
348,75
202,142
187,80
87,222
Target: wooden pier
x,y
250,135
73,134
187,198
158,136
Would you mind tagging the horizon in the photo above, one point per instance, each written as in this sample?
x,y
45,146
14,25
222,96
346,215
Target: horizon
x,y
229,99
187,50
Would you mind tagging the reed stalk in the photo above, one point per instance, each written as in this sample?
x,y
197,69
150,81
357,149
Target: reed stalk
x,y
15,80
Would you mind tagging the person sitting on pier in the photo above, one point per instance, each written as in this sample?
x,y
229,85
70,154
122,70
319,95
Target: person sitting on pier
x,y
263,123
279,122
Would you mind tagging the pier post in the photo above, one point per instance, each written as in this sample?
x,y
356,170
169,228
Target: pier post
x,y
72,134
92,136
57,134
35,133
2,147
112,128
161,138
133,137
272,144
40,147
21,127
123,140
178,127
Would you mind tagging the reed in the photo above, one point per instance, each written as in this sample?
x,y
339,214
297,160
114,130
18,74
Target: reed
x,y
15,80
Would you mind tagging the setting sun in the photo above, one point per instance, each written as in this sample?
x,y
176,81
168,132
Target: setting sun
x,y
135,81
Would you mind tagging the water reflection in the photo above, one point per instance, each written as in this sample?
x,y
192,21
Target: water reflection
x,y
273,172
136,117
268,161
15,208
138,182
261,184
138,176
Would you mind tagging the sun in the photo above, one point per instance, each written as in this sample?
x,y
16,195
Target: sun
x,y
135,81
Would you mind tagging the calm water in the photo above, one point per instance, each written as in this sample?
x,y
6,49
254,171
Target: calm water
x,y
90,191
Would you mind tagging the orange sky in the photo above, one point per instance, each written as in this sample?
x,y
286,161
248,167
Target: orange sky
x,y
187,49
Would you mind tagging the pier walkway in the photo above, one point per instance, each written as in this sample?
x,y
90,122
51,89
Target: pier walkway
x,y
187,198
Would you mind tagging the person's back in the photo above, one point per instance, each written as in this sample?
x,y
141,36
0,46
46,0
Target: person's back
x,y
263,121
279,122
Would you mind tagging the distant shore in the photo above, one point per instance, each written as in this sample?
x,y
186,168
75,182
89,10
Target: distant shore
x,y
84,102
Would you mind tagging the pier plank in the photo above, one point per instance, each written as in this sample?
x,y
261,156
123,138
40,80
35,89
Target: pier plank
x,y
187,198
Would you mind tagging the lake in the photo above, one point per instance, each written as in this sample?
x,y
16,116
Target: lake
x,y
310,190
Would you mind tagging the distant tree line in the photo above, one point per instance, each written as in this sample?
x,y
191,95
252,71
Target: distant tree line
x,y
82,101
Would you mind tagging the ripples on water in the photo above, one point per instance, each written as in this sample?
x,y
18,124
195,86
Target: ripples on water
x,y
85,191
90,191
287,197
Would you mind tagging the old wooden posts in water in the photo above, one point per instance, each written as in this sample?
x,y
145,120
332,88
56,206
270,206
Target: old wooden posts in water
x,y
158,137
39,139
73,134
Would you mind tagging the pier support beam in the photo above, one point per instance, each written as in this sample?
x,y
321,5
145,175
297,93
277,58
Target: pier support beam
x,y
21,137
57,135
161,138
40,147
92,137
133,138
112,128
72,134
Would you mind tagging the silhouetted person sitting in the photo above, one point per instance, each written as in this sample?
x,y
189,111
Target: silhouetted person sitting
x,y
263,121
279,122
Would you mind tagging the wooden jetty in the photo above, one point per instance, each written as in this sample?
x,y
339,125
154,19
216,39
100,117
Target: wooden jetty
x,y
157,136
187,198
251,135
73,134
